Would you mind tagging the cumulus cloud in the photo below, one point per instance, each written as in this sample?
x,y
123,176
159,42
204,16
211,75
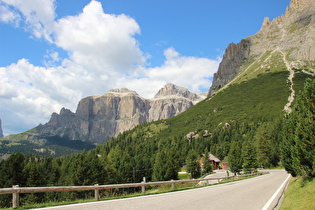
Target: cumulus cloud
x,y
38,15
29,93
190,72
102,54
8,16
99,41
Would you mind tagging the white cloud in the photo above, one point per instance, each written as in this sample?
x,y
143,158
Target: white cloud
x,y
100,42
9,16
38,15
28,94
189,72
103,54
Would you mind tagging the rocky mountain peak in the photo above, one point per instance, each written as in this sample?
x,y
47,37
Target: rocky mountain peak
x,y
172,90
98,118
291,34
300,4
119,92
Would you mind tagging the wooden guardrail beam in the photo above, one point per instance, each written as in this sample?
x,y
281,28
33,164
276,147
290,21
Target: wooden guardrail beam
x,y
16,190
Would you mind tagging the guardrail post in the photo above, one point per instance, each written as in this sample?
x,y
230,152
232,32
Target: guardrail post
x,y
15,198
173,185
96,193
143,187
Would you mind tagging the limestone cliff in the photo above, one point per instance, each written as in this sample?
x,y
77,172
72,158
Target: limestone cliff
x,y
98,118
171,101
292,33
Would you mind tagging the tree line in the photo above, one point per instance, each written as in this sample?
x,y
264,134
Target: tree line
x,y
157,152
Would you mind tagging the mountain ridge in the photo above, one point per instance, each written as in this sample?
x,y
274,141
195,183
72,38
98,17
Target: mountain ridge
x,y
291,33
99,118
256,81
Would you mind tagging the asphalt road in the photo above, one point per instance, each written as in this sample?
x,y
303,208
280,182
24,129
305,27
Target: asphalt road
x,y
250,194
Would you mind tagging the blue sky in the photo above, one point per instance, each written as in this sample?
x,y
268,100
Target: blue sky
x,y
55,52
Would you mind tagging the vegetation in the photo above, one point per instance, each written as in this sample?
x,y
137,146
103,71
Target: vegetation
x,y
52,146
298,144
299,194
245,117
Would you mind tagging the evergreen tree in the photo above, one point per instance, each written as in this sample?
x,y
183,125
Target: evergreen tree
x,y
166,165
298,144
158,167
207,165
192,163
12,171
263,140
235,157
249,157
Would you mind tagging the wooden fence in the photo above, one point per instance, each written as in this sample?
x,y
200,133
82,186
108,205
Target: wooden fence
x,y
16,190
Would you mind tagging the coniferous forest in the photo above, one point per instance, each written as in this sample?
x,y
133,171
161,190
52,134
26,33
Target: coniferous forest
x,y
159,149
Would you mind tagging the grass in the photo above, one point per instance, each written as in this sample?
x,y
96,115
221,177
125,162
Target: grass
x,y
300,194
183,176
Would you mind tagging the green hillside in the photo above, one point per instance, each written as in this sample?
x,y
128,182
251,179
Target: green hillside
x,y
46,146
247,114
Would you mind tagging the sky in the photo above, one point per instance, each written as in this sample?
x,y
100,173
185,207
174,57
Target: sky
x,y
55,52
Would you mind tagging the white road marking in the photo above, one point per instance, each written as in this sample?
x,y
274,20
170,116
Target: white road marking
x,y
267,205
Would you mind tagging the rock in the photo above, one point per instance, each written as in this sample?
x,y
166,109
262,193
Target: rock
x,y
233,58
170,101
206,134
99,118
191,135
292,33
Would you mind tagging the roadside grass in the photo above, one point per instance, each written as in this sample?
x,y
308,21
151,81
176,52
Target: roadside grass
x,y
183,176
300,194
151,190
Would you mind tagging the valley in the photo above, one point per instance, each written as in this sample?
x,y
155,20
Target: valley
x,y
259,113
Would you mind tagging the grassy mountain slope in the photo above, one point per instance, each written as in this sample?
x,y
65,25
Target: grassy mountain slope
x,y
258,93
47,146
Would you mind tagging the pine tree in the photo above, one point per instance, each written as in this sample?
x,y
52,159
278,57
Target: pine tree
x,y
249,157
263,140
298,144
192,163
235,157
207,165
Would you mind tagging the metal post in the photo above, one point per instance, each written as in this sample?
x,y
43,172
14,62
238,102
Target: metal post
x,y
143,187
97,193
15,198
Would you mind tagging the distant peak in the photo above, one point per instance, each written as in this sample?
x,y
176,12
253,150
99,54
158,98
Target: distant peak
x,y
171,89
122,92
294,7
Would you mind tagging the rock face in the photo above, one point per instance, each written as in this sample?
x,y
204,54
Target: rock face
x,y
98,118
234,56
292,33
171,101
1,131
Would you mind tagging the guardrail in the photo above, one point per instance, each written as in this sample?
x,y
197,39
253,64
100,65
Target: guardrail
x,y
16,190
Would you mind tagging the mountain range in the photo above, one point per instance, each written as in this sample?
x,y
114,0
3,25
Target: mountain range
x,y
257,79
98,118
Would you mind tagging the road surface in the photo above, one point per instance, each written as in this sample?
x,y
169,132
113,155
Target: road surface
x,y
250,194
